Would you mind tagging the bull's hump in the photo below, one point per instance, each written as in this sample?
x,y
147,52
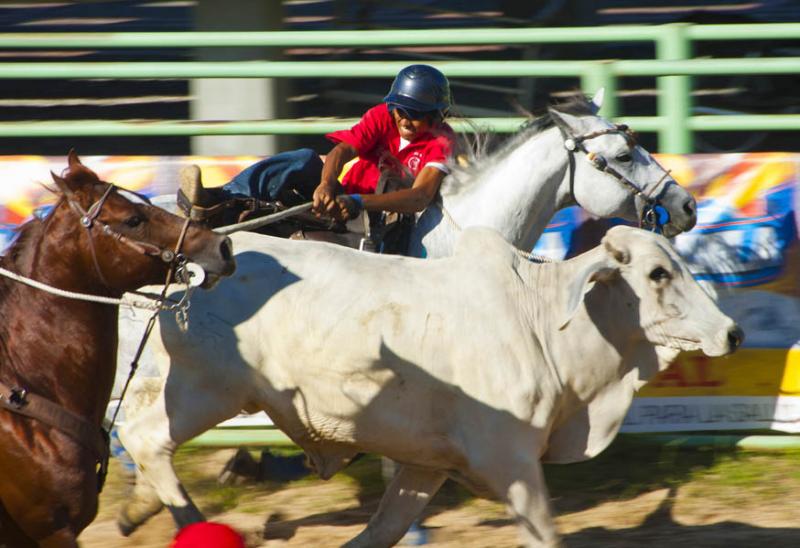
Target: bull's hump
x,y
484,244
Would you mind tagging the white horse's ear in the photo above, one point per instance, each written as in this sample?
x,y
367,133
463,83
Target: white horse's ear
x,y
582,283
561,119
597,100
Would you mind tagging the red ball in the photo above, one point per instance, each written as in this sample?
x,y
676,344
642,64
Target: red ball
x,y
207,534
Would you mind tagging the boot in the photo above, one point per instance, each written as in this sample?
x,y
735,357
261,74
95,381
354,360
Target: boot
x,y
191,185
205,205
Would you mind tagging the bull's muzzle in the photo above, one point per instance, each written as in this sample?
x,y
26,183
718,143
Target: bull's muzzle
x,y
735,338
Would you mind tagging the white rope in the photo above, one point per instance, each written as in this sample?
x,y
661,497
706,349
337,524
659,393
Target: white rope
x,y
151,303
263,221
527,256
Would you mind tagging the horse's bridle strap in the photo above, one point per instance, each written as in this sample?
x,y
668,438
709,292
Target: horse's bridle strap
x,y
22,402
648,217
89,219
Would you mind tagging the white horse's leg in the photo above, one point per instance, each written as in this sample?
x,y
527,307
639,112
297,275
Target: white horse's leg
x,y
152,434
518,479
403,500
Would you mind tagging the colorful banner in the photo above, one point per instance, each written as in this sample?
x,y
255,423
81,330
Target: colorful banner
x,y
744,248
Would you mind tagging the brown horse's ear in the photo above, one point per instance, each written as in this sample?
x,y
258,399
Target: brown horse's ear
x,y
72,159
59,181
76,174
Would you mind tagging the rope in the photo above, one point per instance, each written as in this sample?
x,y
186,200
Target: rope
x,y
527,256
252,224
134,365
82,296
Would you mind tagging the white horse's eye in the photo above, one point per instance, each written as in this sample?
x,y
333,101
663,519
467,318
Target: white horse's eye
x,y
624,158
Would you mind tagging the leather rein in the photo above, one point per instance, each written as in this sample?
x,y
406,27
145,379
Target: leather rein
x,y
23,402
653,216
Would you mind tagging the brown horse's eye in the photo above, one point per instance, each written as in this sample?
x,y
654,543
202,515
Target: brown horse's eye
x,y
134,221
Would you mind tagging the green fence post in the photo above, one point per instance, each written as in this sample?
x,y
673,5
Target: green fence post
x,y
601,75
674,92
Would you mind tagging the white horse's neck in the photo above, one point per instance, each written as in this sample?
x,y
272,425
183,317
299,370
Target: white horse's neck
x,y
517,197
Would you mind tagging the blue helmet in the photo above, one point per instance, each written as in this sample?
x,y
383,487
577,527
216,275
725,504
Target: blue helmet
x,y
421,88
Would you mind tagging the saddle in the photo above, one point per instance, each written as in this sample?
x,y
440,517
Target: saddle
x,y
379,232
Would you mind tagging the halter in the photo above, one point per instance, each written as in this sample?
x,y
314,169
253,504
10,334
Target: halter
x,y
90,218
653,215
21,401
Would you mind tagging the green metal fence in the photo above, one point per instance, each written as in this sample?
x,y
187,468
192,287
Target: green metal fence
x,y
673,69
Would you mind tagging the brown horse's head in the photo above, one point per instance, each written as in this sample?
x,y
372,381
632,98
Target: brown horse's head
x,y
122,240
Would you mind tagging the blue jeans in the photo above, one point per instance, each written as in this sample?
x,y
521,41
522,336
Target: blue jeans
x,y
276,177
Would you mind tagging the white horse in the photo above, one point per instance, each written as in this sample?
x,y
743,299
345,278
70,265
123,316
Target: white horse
x,y
569,156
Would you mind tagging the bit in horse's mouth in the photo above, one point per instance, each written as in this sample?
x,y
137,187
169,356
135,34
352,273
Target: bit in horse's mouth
x,y
211,281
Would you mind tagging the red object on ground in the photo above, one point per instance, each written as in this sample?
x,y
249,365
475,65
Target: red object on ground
x,y
207,535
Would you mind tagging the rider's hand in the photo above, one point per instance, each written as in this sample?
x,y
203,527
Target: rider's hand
x,y
325,200
350,205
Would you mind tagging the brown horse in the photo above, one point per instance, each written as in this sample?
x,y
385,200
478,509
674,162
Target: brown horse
x,y
58,355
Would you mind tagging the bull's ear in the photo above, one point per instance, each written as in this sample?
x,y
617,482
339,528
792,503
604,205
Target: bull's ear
x,y
616,245
582,283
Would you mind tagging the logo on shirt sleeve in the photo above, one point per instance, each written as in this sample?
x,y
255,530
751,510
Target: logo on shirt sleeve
x,y
414,161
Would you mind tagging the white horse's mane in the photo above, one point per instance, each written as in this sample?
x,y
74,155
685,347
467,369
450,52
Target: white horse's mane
x,y
479,152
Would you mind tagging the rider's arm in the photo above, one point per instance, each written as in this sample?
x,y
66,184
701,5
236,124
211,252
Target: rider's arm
x,y
408,200
325,193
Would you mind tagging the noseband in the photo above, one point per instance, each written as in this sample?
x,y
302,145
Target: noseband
x,y
21,401
653,215
90,218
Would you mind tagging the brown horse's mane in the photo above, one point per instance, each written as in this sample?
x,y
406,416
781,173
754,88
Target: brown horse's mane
x,y
26,234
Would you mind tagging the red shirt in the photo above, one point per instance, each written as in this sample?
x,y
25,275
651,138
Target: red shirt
x,y
377,141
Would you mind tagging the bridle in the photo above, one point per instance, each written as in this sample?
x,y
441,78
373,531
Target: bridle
x,y
89,219
652,216
21,401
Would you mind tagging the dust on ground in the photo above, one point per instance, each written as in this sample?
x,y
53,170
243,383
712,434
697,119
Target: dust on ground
x,y
632,495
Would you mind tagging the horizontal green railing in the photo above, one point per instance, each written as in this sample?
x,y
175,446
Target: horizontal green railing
x,y
438,37
673,69
317,126
375,69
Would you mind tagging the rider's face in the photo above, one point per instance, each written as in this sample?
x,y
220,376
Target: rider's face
x,y
410,125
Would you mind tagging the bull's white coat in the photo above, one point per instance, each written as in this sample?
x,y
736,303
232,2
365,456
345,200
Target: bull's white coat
x,y
477,366
516,191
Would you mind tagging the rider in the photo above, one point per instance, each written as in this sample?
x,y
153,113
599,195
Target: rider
x,y
404,138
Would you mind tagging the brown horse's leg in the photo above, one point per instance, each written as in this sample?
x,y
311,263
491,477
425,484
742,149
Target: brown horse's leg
x,y
64,538
11,536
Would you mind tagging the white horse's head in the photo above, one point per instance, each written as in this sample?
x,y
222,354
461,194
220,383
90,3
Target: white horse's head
x,y
612,176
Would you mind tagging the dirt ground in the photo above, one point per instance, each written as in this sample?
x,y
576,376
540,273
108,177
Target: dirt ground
x,y
633,495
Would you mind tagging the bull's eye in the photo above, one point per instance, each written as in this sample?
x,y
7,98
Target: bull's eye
x,y
134,221
659,274
624,158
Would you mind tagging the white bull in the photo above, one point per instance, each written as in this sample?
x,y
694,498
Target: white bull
x,y
476,366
